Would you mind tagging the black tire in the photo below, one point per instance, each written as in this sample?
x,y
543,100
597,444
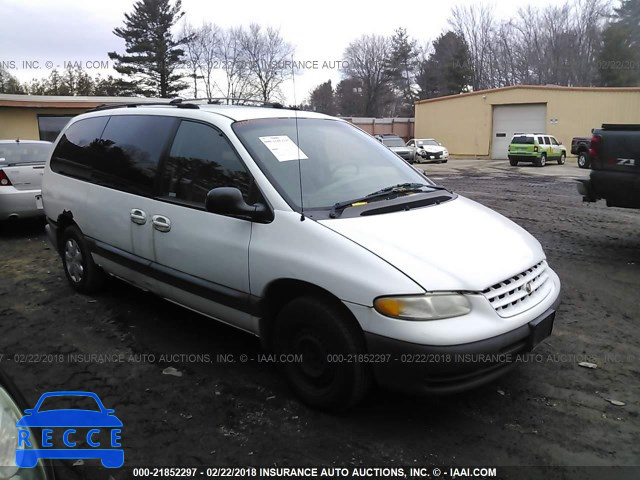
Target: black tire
x,y
583,160
81,271
562,159
541,161
317,328
513,163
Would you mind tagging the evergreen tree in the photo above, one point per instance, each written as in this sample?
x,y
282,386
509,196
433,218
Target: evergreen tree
x,y
402,68
322,99
9,83
619,63
153,56
446,71
349,98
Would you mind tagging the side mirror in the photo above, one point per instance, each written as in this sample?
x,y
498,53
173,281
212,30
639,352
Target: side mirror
x,y
229,201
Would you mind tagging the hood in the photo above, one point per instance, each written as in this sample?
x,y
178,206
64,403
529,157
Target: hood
x,y
433,148
457,245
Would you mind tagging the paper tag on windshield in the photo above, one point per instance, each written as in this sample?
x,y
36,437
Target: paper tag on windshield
x,y
283,148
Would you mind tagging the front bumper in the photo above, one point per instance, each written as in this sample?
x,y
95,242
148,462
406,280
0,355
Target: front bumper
x,y
454,368
18,203
426,156
619,189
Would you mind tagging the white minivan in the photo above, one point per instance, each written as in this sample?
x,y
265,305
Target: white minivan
x,y
301,229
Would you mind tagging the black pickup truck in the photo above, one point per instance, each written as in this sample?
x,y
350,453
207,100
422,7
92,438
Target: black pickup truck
x,y
580,148
614,153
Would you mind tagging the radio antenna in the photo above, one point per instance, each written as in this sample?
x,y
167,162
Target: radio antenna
x,y
295,111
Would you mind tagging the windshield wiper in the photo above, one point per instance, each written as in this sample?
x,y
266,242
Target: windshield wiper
x,y
384,192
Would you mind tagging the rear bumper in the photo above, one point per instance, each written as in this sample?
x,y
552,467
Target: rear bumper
x,y
619,189
18,203
451,369
523,158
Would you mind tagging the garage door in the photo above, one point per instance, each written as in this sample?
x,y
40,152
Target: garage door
x,y
511,119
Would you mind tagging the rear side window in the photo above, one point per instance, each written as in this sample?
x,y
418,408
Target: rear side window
x,y
77,148
540,141
546,141
522,139
130,153
200,159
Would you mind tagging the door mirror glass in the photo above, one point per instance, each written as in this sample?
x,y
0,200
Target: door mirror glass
x,y
230,202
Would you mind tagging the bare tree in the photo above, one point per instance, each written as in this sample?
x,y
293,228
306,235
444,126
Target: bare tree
x,y
368,58
269,59
475,23
192,53
209,42
232,59
556,44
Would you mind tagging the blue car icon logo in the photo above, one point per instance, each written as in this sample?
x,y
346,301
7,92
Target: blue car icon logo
x,y
70,433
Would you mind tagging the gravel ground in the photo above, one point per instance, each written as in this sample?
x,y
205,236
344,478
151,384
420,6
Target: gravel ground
x,y
549,411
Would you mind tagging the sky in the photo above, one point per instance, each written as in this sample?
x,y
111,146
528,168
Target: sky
x,y
54,32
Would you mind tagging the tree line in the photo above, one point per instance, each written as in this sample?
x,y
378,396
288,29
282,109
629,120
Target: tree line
x,y
580,43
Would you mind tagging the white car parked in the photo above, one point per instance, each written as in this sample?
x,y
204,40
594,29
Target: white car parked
x,y
21,168
301,229
428,150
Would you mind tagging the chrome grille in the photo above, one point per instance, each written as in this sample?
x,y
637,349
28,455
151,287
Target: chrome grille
x,y
521,292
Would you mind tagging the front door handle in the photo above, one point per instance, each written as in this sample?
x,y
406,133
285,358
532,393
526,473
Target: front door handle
x,y
160,223
138,216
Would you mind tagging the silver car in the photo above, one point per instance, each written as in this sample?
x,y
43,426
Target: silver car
x,y
428,150
21,168
397,146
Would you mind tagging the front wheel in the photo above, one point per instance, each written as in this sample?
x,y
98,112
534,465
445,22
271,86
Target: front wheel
x,y
513,163
323,343
81,271
583,161
562,159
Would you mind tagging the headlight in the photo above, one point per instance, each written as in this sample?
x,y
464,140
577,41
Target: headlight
x,y
423,307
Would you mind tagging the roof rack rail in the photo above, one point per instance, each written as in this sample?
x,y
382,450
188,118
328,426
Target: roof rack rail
x,y
247,102
177,102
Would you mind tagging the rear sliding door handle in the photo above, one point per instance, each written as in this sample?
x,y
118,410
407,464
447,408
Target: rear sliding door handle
x,y
160,223
138,216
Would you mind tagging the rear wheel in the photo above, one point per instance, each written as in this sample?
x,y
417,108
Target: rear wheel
x,y
562,159
541,161
326,339
81,271
583,161
513,163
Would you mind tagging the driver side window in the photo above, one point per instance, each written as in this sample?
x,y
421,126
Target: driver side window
x,y
200,159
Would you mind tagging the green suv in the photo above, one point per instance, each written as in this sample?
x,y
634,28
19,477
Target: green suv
x,y
536,148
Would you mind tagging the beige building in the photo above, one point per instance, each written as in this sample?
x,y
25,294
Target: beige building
x,y
40,117
481,124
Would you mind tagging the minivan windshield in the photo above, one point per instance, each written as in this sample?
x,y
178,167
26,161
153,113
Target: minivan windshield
x,y
338,161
